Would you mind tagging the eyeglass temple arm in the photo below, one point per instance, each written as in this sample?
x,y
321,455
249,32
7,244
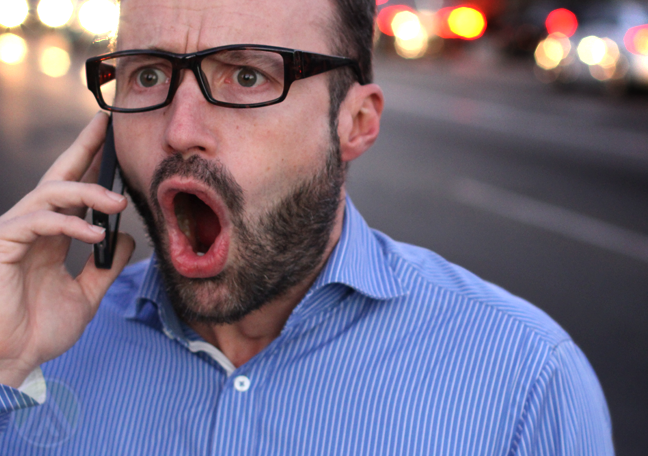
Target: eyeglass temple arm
x,y
106,73
309,64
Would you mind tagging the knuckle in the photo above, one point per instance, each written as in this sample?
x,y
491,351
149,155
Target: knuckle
x,y
40,216
47,188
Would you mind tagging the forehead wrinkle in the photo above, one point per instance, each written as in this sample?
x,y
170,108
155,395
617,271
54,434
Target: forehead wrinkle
x,y
173,35
253,26
182,28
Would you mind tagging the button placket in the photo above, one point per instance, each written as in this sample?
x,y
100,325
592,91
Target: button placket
x,y
242,383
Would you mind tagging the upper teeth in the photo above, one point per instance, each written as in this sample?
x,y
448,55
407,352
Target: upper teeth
x,y
184,224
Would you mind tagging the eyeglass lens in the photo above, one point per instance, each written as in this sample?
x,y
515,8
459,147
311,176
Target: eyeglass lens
x,y
232,76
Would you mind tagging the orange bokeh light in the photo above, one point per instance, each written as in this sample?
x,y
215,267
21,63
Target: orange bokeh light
x,y
636,40
466,22
463,22
561,21
386,16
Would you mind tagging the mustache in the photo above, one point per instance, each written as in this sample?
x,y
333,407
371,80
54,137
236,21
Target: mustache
x,y
209,172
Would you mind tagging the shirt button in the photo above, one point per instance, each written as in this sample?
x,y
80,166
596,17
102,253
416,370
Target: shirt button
x,y
241,383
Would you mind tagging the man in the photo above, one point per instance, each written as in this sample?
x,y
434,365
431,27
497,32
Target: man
x,y
271,319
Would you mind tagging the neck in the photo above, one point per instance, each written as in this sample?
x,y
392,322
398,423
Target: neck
x,y
243,340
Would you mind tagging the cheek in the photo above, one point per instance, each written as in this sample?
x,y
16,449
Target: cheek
x,y
136,157
281,154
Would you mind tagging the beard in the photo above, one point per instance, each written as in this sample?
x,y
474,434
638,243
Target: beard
x,y
279,250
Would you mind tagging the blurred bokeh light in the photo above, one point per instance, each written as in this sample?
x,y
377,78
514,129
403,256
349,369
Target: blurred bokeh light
x,y
406,25
386,16
12,49
612,53
55,13
99,17
414,47
552,50
54,62
467,23
636,40
13,12
561,21
641,66
591,50
411,38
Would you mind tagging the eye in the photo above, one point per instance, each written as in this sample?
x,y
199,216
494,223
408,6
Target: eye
x,y
249,77
150,77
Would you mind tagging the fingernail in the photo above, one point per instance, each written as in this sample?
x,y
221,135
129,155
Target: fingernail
x,y
97,229
115,196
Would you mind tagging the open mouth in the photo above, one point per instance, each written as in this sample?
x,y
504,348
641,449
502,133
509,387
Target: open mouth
x,y
197,225
197,221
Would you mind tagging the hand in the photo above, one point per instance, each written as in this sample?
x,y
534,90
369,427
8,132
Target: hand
x,y
44,310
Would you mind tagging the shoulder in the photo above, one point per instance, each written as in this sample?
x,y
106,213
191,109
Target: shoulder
x,y
425,273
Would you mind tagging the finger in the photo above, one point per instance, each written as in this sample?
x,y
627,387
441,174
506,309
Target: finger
x,y
63,195
74,162
19,234
95,282
91,176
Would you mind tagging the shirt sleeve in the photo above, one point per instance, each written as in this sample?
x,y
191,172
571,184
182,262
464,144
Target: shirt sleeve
x,y
31,393
565,413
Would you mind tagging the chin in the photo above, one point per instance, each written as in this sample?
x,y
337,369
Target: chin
x,y
194,215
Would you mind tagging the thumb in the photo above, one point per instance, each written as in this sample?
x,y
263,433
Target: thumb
x,y
95,282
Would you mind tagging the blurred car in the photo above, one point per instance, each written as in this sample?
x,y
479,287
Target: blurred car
x,y
596,53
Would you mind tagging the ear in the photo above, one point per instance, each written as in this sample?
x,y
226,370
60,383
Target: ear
x,y
359,120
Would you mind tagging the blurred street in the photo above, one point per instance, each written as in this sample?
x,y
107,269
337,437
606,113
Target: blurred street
x,y
541,191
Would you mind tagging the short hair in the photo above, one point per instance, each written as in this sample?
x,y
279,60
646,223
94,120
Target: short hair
x,y
352,36
352,30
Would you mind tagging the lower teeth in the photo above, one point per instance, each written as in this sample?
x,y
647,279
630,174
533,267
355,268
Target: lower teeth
x,y
200,253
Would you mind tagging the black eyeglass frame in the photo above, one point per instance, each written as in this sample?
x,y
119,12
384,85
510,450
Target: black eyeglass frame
x,y
297,65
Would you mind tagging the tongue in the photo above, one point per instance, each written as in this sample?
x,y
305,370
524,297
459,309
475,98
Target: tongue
x,y
207,227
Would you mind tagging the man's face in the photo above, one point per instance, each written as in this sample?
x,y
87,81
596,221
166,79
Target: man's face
x,y
240,203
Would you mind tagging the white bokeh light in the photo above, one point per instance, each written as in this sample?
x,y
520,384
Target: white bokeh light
x,y
592,50
54,62
12,49
406,25
99,16
55,13
13,12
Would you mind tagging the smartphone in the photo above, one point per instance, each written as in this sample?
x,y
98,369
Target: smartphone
x,y
108,178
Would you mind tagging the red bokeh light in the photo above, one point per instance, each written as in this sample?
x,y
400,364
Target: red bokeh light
x,y
381,2
386,16
444,29
562,21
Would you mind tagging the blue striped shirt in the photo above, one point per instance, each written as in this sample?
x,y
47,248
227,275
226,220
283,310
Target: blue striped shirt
x,y
393,351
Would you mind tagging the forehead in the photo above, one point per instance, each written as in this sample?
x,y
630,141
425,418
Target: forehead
x,y
192,25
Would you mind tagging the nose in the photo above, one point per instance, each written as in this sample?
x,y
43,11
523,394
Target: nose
x,y
187,128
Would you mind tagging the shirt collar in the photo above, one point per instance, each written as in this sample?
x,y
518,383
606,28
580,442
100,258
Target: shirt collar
x,y
358,261
153,290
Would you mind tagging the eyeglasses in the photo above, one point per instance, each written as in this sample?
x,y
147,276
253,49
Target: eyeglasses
x,y
236,76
